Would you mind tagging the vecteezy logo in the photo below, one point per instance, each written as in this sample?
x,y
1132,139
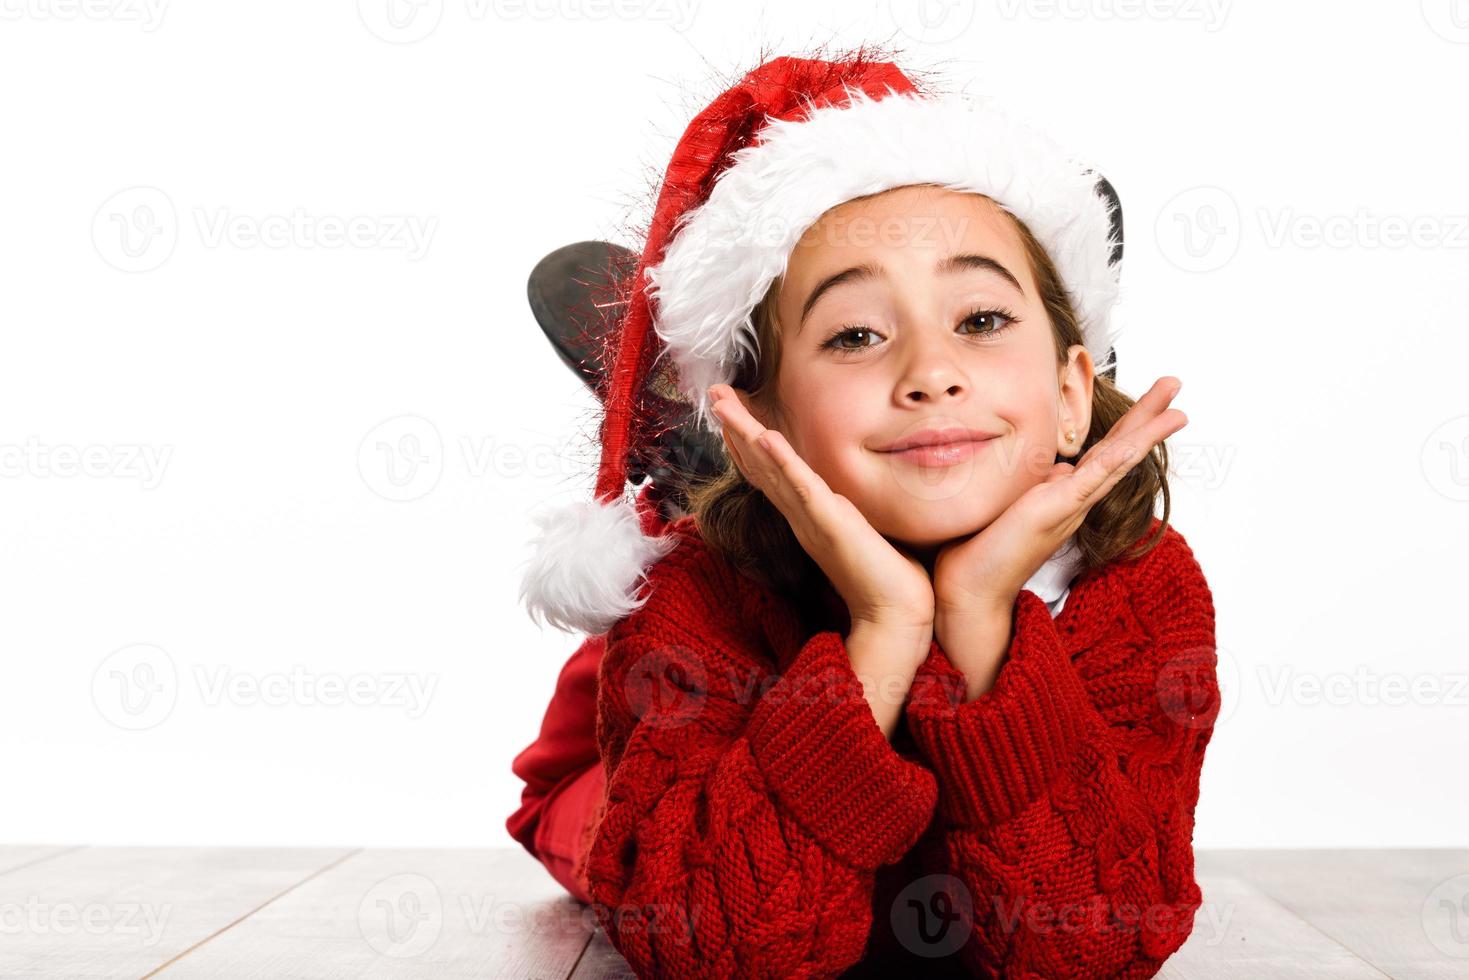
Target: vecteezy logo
x,y
135,687
401,916
1198,230
1445,458
666,687
1449,19
933,916
1446,916
931,21
402,458
400,21
1198,687
136,229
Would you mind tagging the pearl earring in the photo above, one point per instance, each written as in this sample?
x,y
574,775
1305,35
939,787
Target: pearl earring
x,y
1070,436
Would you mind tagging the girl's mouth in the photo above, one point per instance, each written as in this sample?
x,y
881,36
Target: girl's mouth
x,y
943,454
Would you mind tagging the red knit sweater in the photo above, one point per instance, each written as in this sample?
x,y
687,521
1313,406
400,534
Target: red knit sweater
x,y
756,822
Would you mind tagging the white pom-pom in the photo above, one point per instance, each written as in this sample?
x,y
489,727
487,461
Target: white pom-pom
x,y
587,565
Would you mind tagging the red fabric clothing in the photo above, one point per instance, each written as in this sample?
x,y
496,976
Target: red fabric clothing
x,y
564,782
563,778
752,820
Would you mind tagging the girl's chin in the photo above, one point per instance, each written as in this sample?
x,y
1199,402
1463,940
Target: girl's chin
x,y
930,536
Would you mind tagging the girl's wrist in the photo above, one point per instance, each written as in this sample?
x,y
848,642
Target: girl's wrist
x,y
975,607
976,643
876,645
885,661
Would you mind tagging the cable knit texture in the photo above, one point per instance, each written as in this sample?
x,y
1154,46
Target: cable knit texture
x,y
757,823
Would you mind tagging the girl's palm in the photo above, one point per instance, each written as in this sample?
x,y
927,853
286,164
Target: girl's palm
x,y
994,564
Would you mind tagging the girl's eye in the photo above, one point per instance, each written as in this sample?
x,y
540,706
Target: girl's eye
x,y
991,315
992,321
834,342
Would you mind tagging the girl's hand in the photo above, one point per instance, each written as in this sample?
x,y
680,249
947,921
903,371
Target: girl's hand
x,y
985,572
884,586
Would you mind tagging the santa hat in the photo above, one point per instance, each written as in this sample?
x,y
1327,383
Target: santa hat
x,y
753,171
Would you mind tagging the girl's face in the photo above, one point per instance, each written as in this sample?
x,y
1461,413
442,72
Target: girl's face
x,y
911,310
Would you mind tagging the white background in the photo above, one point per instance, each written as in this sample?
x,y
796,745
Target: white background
x,y
207,439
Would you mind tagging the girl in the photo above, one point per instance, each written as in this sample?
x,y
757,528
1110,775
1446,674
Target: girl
x,y
918,681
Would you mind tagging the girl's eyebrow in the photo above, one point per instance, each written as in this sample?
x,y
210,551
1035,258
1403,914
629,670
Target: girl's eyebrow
x,y
871,270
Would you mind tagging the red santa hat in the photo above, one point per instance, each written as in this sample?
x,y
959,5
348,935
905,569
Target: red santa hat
x,y
753,171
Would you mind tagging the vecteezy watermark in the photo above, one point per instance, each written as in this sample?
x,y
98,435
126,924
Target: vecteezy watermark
x,y
147,14
36,917
403,916
1101,915
401,458
298,686
839,229
137,687
983,460
1206,464
667,687
930,21
1196,686
933,916
1200,229
1445,458
128,461
400,21
1449,19
404,457
1363,685
409,232
407,21
1363,229
1210,13
137,230
1445,916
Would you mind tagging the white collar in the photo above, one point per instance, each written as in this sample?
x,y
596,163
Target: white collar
x,y
1052,581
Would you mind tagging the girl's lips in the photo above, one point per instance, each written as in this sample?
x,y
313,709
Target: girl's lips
x,y
946,454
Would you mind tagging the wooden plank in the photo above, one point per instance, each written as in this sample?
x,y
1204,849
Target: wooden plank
x,y
407,913
602,961
13,857
1240,931
256,912
1404,910
122,911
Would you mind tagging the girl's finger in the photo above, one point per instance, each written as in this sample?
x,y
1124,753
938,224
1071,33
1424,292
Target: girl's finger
x,y
761,467
1145,436
1149,420
795,489
1152,404
734,454
1107,464
741,429
803,487
729,439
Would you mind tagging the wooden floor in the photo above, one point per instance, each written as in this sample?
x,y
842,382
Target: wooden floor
x,y
83,912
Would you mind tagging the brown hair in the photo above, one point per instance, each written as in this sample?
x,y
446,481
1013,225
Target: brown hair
x,y
740,522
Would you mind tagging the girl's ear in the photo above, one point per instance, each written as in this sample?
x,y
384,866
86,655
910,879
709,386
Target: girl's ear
x,y
761,415
1076,401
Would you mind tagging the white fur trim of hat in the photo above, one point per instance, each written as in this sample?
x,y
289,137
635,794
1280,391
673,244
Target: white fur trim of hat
x,y
725,253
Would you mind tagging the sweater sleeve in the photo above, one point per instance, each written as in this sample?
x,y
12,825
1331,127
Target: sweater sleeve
x,y
1071,835
562,773
746,813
